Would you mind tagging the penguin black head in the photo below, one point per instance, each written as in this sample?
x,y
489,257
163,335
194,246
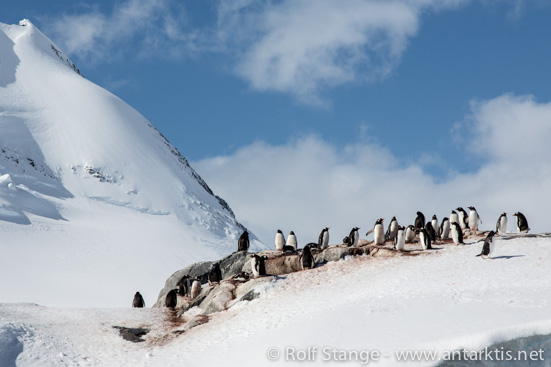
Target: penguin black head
x,y
379,221
419,213
454,212
471,207
293,233
355,228
393,219
434,216
279,231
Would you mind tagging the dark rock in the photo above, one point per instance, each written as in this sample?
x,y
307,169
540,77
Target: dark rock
x,y
133,335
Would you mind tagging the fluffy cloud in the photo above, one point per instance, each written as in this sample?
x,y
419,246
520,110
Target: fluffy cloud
x,y
308,183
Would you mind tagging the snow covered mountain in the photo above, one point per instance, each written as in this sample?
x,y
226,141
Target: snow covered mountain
x,y
95,203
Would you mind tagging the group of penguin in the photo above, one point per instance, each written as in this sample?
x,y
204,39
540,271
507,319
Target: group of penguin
x,y
456,225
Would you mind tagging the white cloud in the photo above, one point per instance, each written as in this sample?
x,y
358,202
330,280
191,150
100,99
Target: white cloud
x,y
308,183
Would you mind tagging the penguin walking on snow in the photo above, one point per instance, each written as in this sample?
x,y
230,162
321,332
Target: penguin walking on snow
x,y
488,246
501,225
306,258
353,237
378,232
474,218
435,226
243,243
457,234
392,229
323,239
138,301
400,239
463,218
410,233
522,223
258,264
291,241
419,221
424,239
279,240
445,229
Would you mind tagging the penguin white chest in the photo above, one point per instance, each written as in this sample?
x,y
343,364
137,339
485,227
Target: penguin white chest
x,y
255,267
292,241
279,241
503,225
195,289
379,234
473,219
325,241
445,230
400,240
355,239
455,235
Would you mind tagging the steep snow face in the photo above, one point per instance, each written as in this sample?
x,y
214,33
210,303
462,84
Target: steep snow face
x,y
77,160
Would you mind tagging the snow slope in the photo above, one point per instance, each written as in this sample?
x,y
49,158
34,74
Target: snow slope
x,y
94,202
443,301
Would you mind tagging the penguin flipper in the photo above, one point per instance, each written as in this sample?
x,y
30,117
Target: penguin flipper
x,y
370,231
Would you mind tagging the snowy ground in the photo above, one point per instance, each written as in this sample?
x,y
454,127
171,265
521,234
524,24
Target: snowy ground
x,y
443,301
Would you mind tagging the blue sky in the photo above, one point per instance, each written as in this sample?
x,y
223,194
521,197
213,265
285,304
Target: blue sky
x,y
411,81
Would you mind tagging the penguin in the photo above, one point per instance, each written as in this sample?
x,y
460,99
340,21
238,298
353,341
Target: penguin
x,y
138,301
430,232
463,218
501,225
488,246
258,265
453,217
291,241
306,258
243,243
215,274
379,232
445,229
323,239
183,286
243,275
424,239
474,218
392,229
279,240
400,239
457,234
410,233
419,221
171,299
522,223
195,288
354,237
435,226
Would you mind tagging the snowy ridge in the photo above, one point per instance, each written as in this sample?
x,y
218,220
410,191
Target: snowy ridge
x,y
94,183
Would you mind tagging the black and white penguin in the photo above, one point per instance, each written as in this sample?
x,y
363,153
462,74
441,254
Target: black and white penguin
x,y
400,239
488,246
410,233
279,240
183,286
323,239
463,218
379,232
258,265
419,221
445,229
424,239
195,288
171,299
454,217
306,258
391,230
435,226
215,274
354,237
291,241
430,231
457,234
474,218
522,223
501,225
243,243
138,301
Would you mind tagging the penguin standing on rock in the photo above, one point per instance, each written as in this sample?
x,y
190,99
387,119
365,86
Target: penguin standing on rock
x,y
291,243
323,239
488,246
424,239
420,221
474,218
501,225
353,237
457,234
171,299
306,258
463,218
400,239
279,240
522,223
243,243
410,233
183,286
392,229
215,274
378,232
196,288
445,229
138,301
258,264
